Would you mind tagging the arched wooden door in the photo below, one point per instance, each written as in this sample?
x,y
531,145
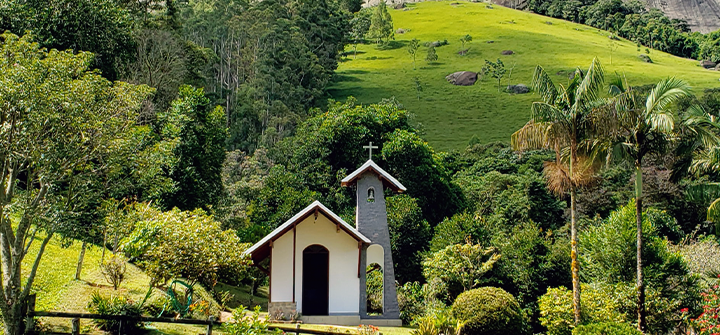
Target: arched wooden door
x,y
316,280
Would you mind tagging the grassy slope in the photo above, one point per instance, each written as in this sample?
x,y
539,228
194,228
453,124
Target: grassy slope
x,y
451,115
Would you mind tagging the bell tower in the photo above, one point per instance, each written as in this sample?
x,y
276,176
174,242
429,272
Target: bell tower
x,y
371,220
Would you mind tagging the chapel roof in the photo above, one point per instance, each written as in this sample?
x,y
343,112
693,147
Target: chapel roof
x,y
261,249
371,166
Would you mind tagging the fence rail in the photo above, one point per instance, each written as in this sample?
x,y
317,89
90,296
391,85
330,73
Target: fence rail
x,y
31,314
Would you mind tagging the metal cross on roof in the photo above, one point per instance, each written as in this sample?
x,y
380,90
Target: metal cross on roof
x,y
370,147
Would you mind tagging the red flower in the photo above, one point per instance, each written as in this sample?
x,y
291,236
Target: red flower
x,y
684,310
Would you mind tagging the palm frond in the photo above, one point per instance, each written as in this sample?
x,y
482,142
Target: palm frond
x,y
664,93
543,85
713,212
707,161
544,112
531,136
589,88
704,193
559,179
661,121
698,124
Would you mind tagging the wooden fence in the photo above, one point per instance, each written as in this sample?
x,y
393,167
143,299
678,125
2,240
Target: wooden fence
x,y
31,314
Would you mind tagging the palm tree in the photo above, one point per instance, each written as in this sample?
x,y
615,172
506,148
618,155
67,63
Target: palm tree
x,y
561,122
639,125
708,161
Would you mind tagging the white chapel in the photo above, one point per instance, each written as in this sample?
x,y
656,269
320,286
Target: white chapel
x,y
317,262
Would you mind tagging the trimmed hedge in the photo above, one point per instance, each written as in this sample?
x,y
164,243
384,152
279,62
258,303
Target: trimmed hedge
x,y
488,311
606,328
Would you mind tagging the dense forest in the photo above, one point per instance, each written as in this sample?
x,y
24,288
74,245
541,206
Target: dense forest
x,y
171,132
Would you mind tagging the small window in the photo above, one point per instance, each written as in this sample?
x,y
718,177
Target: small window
x,y
371,195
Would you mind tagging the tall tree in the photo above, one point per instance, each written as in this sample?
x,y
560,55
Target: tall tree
x,y
200,151
61,123
561,122
638,125
381,24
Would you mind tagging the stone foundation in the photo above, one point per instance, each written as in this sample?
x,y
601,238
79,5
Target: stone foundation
x,y
286,308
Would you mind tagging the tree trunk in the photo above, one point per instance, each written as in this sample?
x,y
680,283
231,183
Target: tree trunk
x,y
640,285
80,261
13,321
575,265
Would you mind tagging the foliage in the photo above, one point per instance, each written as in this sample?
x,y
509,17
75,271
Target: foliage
x,y
98,26
601,303
707,322
115,305
413,161
114,271
441,322
460,266
359,27
488,311
381,24
410,235
200,152
411,300
244,324
431,55
495,70
465,39
607,256
412,49
604,302
67,126
267,87
374,289
606,328
190,245
368,330
702,255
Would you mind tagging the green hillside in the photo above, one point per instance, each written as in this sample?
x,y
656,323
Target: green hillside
x,y
450,114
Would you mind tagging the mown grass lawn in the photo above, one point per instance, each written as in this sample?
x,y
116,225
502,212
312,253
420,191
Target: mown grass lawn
x,y
451,115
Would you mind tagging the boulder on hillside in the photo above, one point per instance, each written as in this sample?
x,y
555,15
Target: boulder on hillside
x,y
400,6
645,58
400,31
707,64
518,89
717,67
507,52
462,78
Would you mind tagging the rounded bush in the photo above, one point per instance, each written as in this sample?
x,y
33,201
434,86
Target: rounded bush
x,y
488,311
606,328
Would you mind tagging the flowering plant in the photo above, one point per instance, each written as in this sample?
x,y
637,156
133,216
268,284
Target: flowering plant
x,y
368,330
708,323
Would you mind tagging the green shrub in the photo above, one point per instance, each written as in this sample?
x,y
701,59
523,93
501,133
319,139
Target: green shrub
x,y
411,301
600,303
488,311
606,328
115,305
244,324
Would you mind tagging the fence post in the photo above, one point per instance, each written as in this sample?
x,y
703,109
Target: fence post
x,y
29,318
210,326
120,331
76,326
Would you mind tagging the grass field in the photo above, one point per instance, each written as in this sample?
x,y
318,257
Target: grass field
x,y
451,115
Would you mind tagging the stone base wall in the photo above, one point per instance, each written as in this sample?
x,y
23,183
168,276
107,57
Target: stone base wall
x,y
286,309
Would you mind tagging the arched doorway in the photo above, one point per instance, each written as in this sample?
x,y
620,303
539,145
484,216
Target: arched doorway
x,y
316,283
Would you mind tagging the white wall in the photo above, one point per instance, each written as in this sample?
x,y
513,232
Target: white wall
x,y
375,254
343,253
